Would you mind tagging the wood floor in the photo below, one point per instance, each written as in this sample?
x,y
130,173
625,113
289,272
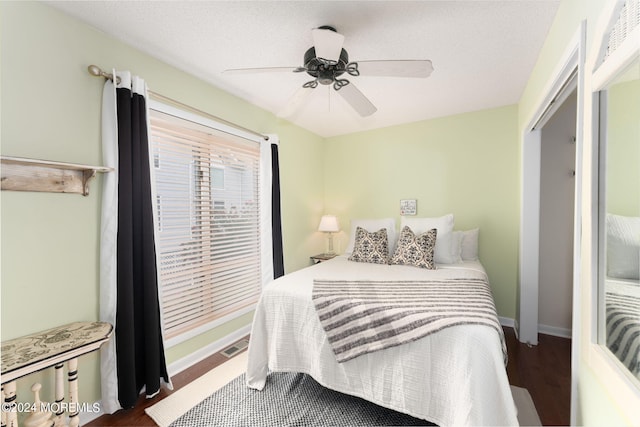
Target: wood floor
x,y
544,370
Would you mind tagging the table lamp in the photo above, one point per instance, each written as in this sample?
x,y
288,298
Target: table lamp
x,y
329,224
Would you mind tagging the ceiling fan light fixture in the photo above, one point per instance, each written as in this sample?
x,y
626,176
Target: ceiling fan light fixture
x,y
326,75
323,72
327,61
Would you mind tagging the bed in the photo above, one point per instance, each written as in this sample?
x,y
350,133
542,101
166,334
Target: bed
x,y
456,376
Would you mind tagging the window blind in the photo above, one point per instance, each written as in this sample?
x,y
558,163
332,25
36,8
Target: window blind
x,y
208,237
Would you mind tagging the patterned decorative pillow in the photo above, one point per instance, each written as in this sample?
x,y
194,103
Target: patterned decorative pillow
x,y
371,247
415,250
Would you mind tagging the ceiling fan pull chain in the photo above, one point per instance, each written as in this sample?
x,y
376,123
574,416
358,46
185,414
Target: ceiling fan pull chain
x,y
352,69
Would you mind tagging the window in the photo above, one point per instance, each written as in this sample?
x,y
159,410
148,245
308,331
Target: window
x,y
207,185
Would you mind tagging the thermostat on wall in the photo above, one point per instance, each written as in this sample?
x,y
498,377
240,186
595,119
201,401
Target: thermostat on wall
x,y
408,207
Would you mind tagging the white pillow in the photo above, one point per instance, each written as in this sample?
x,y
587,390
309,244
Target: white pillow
x,y
469,245
373,225
456,246
623,247
444,225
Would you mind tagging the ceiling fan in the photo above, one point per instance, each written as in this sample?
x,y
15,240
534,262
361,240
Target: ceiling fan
x,y
327,62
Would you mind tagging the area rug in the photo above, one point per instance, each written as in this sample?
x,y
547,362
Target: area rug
x,y
221,397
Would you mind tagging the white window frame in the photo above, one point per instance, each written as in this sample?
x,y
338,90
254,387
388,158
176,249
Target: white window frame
x,y
187,115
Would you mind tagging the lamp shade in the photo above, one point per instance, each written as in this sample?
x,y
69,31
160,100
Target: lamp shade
x,y
329,223
328,44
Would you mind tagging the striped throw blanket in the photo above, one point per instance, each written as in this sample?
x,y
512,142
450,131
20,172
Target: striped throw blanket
x,y
623,329
364,316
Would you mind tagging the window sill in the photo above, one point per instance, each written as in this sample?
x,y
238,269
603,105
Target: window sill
x,y
171,342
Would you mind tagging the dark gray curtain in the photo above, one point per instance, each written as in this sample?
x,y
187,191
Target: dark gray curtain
x,y
276,217
139,346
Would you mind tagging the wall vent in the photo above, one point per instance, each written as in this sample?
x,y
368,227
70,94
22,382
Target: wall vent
x,y
235,348
628,20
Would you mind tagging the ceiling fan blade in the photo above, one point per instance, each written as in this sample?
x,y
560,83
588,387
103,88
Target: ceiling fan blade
x,y
295,102
357,100
393,68
328,44
260,70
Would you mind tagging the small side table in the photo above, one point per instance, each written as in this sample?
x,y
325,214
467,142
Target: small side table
x,y
26,355
316,259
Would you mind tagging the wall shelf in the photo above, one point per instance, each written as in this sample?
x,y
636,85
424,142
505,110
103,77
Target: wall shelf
x,y
20,174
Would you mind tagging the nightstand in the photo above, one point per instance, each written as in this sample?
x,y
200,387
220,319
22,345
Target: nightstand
x,y
322,257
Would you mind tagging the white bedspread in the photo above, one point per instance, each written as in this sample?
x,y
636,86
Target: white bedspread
x,y
453,377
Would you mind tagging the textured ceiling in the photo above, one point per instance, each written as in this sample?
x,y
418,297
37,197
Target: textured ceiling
x,y
482,51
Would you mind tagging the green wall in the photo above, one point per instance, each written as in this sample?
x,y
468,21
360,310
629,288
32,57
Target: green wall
x,y
51,110
465,164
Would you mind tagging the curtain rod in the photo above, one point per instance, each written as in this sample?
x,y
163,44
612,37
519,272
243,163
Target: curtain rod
x,y
94,70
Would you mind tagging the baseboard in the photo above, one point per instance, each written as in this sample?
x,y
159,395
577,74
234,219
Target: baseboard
x,y
206,351
87,417
554,330
507,321
542,329
180,365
